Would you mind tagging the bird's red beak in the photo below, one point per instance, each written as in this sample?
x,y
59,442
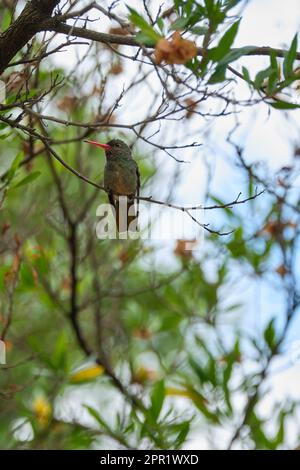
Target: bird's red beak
x,y
98,144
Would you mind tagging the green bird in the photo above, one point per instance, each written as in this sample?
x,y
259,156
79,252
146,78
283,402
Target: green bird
x,y
121,178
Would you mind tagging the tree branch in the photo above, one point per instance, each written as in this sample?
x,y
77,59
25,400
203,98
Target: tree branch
x,y
36,17
53,25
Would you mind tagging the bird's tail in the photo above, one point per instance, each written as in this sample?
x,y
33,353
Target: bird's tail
x,y
126,214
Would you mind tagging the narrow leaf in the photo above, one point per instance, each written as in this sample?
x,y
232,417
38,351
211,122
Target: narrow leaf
x,y
284,105
225,43
14,166
261,76
218,76
141,23
235,54
157,399
290,57
28,179
180,23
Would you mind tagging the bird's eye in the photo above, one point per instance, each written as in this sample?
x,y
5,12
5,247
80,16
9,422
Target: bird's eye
x,y
117,144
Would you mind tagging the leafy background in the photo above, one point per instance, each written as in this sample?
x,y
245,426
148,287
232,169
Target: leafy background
x,y
184,347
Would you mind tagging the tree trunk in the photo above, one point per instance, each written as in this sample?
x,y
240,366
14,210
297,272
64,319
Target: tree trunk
x,y
24,28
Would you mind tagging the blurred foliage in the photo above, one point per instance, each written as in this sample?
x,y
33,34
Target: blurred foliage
x,y
170,358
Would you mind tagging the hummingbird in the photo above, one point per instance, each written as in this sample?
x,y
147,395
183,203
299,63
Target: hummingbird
x,y
121,178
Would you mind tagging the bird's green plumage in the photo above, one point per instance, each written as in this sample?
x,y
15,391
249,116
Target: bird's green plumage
x,y
120,173
121,176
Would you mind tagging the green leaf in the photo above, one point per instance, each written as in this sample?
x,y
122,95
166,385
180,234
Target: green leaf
x,y
225,43
27,277
59,357
6,135
270,334
246,75
218,76
180,23
209,7
274,76
228,4
188,6
160,24
261,76
259,436
235,54
250,187
157,399
28,179
220,202
37,344
14,166
177,4
201,372
279,438
220,73
142,38
182,435
200,402
6,20
193,65
94,413
284,105
141,23
199,30
290,58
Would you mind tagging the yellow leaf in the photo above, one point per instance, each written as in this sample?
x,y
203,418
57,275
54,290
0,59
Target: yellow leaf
x,y
143,375
42,410
186,393
87,374
179,392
